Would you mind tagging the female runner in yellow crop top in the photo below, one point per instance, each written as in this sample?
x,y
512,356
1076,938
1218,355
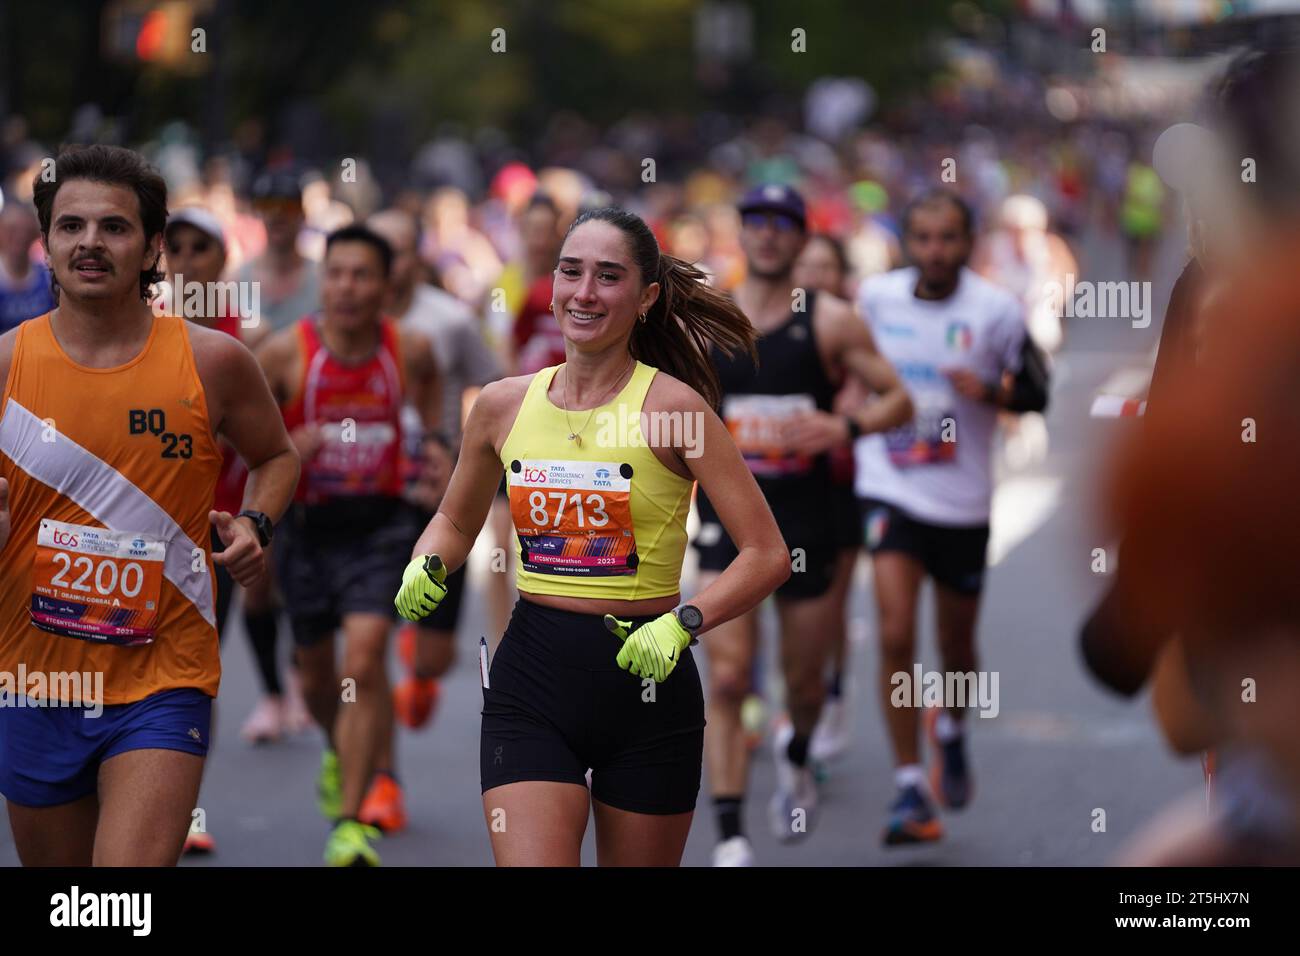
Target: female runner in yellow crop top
x,y
600,454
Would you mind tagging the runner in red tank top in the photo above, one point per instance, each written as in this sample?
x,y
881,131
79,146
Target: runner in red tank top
x,y
356,407
341,379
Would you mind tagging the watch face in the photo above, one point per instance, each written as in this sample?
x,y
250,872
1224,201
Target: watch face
x,y
690,617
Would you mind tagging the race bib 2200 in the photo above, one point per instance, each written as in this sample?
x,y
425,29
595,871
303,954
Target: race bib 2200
x,y
96,584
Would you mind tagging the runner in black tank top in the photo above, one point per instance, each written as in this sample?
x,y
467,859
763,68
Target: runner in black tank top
x,y
789,379
779,414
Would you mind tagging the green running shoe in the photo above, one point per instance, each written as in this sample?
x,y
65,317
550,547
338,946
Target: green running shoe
x,y
329,786
349,845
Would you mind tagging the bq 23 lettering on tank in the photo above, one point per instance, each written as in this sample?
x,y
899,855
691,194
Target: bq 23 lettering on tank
x,y
153,421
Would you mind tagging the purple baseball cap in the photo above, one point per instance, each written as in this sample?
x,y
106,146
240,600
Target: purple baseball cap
x,y
775,197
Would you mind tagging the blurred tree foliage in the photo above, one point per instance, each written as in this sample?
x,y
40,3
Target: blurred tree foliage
x,y
423,63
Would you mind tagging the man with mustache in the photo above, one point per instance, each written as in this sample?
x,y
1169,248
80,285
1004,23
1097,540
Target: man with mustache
x,y
109,457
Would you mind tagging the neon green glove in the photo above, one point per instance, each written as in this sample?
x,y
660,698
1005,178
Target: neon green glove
x,y
422,589
653,649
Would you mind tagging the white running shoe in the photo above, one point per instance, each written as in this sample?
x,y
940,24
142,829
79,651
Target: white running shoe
x,y
830,737
265,725
734,852
793,808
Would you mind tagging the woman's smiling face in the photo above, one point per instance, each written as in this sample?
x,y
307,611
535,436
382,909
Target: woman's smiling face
x,y
598,290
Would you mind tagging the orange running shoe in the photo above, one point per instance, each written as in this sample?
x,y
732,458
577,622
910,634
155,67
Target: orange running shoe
x,y
911,820
414,700
198,842
383,806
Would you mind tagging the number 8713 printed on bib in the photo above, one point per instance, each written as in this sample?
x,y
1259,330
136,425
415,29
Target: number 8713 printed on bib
x,y
573,518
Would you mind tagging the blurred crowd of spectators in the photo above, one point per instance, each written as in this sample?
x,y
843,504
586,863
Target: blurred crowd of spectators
x,y
491,217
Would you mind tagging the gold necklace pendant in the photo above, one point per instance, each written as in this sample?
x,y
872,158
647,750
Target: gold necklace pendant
x,y
576,436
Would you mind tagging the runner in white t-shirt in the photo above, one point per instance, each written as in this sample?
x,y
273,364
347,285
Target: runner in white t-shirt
x,y
959,344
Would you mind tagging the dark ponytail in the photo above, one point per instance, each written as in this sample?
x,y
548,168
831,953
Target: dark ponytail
x,y
688,318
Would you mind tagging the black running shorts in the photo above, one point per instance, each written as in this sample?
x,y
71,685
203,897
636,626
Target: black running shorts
x,y
805,514
847,530
954,556
557,704
333,561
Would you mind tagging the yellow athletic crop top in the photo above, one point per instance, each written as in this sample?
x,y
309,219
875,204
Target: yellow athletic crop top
x,y
603,518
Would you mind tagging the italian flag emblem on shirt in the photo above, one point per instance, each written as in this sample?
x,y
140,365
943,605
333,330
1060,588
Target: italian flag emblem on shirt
x,y
959,336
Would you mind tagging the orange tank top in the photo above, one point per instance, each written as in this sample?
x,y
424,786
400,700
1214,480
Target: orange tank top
x,y
111,474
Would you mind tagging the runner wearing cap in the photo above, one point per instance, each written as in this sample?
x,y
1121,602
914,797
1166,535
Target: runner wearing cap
x,y
288,288
289,284
195,248
779,412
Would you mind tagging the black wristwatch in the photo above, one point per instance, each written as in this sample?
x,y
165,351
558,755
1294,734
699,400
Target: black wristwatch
x,y
691,620
263,524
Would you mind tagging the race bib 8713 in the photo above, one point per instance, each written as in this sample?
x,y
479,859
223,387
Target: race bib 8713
x,y
573,518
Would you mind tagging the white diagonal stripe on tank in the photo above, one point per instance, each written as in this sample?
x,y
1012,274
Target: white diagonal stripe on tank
x,y
107,494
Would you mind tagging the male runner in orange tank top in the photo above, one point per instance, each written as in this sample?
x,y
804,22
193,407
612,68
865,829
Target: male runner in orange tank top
x,y
108,461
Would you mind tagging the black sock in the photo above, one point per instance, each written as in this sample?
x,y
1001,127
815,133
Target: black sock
x,y
833,687
262,627
728,811
797,751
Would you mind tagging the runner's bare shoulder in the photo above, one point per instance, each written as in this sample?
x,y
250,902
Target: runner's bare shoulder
x,y
668,393
225,365
215,352
504,396
277,352
830,312
410,337
496,408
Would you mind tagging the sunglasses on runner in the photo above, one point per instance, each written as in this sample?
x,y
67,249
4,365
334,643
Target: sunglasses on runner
x,y
778,221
